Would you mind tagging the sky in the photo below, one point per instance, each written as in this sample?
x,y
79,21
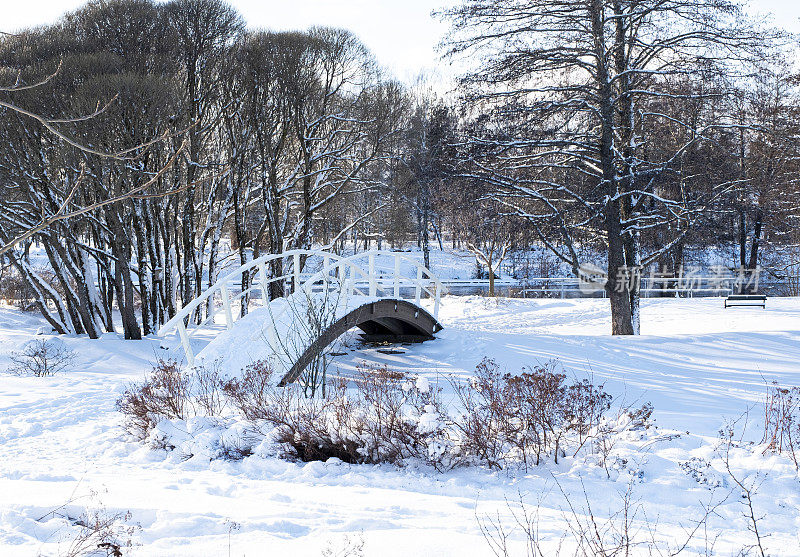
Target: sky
x,y
401,33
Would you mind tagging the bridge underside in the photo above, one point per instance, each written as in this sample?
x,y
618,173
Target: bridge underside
x,y
381,321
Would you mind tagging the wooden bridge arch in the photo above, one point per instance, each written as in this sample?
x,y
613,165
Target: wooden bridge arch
x,y
382,320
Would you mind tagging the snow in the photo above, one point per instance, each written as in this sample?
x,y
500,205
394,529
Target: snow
x,y
61,441
278,332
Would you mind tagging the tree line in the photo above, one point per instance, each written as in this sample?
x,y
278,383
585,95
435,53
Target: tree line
x,y
139,139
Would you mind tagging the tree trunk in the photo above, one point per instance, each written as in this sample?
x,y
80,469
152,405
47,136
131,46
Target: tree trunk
x,y
742,238
491,273
753,263
621,323
426,246
120,249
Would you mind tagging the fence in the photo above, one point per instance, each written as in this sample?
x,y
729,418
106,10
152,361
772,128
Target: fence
x,y
570,287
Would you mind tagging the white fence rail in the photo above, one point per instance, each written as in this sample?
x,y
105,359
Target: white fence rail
x,y
564,287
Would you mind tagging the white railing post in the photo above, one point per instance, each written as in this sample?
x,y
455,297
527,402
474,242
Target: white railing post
x,y
296,271
373,286
396,276
272,339
326,269
226,303
262,271
347,278
418,287
187,348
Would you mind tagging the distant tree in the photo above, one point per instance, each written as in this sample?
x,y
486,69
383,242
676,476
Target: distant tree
x,y
429,158
489,234
767,154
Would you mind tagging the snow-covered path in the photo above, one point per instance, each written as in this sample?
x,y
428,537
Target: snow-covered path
x,y
60,438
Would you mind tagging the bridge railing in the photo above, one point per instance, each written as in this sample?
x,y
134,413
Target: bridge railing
x,y
359,274
353,279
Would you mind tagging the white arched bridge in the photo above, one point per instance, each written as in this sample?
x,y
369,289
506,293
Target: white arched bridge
x,y
379,292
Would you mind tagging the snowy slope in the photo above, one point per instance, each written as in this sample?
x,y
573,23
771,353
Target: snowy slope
x,y
60,439
279,332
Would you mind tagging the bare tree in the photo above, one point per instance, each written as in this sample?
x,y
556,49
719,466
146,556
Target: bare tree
x,y
565,91
429,157
51,167
204,30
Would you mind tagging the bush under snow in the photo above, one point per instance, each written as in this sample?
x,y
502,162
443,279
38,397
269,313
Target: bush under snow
x,y
381,416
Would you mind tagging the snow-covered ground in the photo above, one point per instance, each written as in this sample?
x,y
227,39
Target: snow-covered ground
x,y
61,442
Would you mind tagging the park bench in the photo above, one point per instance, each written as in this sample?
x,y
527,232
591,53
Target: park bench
x,y
755,300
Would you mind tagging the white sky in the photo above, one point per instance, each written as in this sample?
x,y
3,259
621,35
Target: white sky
x,y
401,33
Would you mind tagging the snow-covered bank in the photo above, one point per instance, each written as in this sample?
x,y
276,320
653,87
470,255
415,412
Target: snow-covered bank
x,y
696,362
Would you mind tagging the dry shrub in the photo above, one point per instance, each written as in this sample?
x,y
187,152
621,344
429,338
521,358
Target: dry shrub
x,y
384,425
235,449
253,393
605,438
526,417
15,290
385,420
485,424
169,393
623,530
314,428
402,418
102,534
42,358
390,417
349,547
164,394
386,417
640,417
782,421
207,384
93,530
